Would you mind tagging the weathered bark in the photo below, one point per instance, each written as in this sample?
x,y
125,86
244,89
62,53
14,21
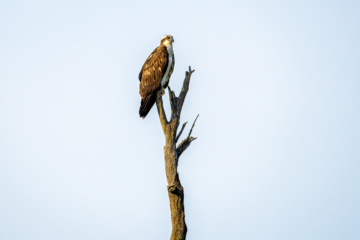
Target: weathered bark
x,y
172,154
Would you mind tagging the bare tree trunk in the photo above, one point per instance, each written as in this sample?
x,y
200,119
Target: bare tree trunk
x,y
172,154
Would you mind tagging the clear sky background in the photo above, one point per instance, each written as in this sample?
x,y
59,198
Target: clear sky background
x,y
277,87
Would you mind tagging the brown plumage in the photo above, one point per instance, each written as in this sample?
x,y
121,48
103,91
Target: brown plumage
x,y
157,67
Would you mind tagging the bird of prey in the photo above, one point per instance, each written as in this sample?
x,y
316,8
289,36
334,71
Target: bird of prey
x,y
155,74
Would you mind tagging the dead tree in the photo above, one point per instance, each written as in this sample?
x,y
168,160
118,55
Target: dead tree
x,y
172,154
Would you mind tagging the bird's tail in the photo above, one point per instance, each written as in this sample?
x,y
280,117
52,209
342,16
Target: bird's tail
x,y
146,104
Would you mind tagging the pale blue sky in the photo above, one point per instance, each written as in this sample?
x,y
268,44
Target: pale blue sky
x,y
277,87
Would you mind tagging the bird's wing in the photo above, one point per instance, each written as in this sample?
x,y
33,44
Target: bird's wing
x,y
153,71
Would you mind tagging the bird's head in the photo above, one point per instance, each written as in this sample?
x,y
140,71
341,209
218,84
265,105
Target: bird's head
x,y
167,40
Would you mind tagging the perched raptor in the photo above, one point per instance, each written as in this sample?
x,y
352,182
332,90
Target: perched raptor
x,y
155,74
